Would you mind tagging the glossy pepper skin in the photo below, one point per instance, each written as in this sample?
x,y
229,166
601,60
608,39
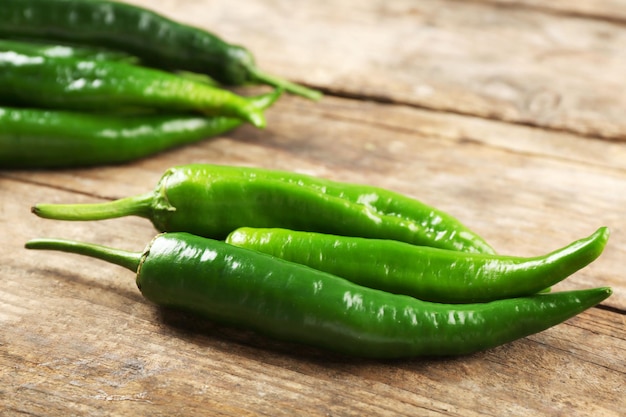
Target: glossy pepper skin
x,y
214,200
292,302
31,79
426,273
157,40
36,138
64,51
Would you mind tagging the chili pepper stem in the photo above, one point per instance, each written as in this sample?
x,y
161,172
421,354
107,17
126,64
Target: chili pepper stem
x,y
263,77
128,260
140,205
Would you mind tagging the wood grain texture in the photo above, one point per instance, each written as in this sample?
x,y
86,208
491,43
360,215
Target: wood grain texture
x,y
495,111
610,10
519,65
77,339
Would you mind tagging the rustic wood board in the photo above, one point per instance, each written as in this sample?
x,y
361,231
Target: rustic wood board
x,y
518,64
416,116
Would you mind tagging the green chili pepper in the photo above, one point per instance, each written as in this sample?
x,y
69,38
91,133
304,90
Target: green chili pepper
x,y
68,50
34,138
157,40
37,80
212,201
426,273
292,302
64,51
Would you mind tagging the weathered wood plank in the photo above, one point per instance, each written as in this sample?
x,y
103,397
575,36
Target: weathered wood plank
x,y
76,338
611,10
518,65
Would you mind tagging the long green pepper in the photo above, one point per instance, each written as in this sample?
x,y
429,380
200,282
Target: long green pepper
x,y
36,138
214,200
32,79
292,302
157,40
430,274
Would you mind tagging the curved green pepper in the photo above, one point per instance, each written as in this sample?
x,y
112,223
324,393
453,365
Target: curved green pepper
x,y
157,40
292,302
36,138
31,79
213,200
426,273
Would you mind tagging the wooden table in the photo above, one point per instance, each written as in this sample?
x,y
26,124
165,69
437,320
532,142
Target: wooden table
x,y
508,114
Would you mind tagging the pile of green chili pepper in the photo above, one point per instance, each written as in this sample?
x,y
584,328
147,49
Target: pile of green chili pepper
x,y
351,268
115,82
